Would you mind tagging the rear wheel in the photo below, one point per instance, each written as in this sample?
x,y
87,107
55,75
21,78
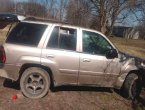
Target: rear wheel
x,y
35,83
132,86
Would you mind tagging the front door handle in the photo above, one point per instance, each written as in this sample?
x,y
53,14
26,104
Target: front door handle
x,y
86,60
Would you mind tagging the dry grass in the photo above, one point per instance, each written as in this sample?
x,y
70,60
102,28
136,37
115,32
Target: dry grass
x,y
1,36
3,33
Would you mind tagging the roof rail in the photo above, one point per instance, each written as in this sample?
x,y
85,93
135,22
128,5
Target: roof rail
x,y
44,20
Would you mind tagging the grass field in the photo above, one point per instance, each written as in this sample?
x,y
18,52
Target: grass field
x,y
3,34
130,46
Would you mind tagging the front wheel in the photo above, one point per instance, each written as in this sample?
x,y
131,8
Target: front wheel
x,y
35,83
132,86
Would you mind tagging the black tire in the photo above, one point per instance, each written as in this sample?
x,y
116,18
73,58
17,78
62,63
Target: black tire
x,y
35,82
132,86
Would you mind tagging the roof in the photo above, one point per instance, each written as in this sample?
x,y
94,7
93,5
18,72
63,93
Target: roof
x,y
10,17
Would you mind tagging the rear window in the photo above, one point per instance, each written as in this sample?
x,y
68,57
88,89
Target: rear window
x,y
26,34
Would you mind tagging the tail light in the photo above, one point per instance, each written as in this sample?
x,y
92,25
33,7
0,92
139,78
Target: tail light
x,y
2,55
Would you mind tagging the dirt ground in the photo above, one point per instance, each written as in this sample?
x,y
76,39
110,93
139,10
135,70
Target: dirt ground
x,y
66,98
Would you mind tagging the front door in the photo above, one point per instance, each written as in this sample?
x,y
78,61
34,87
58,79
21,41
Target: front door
x,y
95,68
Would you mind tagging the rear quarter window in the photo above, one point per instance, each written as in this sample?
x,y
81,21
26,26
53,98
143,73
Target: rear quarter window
x,y
26,34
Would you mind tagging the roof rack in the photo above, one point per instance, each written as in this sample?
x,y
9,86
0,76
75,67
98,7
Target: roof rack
x,y
44,20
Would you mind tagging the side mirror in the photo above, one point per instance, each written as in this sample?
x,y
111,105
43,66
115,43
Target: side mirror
x,y
111,54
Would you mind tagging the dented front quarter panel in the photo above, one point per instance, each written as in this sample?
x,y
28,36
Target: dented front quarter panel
x,y
129,63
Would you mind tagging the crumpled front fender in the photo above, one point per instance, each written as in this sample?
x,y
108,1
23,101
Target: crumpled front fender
x,y
127,67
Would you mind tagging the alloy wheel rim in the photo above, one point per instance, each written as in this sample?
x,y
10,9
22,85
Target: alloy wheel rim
x,y
35,84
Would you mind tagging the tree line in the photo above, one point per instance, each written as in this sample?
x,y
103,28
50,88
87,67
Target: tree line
x,y
100,15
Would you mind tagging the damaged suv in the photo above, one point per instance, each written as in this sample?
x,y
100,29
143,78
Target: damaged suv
x,y
40,53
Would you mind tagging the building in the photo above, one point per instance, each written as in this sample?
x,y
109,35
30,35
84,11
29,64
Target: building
x,y
125,32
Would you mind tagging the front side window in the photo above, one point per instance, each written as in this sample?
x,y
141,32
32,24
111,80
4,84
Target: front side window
x,y
63,38
94,43
26,34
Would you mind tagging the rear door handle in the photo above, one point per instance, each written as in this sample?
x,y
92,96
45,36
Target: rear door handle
x,y
86,60
50,56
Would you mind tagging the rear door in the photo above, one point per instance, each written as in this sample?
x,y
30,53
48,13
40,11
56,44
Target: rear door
x,y
60,54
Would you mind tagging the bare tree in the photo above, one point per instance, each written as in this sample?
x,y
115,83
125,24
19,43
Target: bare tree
x,y
139,8
6,6
98,14
79,12
31,8
109,12
62,5
50,5
101,15
139,13
56,9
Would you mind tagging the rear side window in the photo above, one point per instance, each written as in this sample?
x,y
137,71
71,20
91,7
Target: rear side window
x,y
53,41
63,38
26,34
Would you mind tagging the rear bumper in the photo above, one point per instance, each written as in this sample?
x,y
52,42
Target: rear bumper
x,y
10,72
4,74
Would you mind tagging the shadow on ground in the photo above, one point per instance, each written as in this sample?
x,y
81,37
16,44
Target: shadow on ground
x,y
80,88
15,85
11,84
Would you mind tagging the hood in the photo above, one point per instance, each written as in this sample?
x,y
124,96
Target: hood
x,y
6,19
140,63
